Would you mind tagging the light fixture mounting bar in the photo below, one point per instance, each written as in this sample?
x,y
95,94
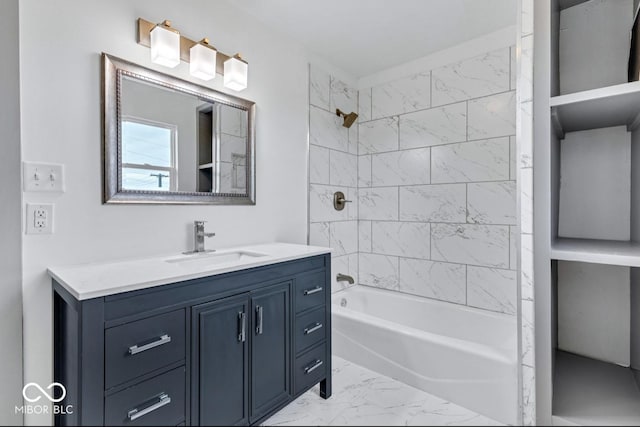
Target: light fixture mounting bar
x,y
144,39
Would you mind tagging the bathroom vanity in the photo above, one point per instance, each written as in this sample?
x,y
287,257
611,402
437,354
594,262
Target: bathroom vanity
x,y
223,338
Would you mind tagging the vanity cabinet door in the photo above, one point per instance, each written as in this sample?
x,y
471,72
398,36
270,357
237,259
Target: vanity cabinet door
x,y
270,349
220,370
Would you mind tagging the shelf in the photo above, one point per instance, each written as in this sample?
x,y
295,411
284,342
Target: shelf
x,y
565,4
598,108
597,251
590,392
206,166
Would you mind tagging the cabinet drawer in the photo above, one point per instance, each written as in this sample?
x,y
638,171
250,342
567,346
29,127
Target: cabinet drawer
x,y
310,368
143,346
310,291
159,401
310,328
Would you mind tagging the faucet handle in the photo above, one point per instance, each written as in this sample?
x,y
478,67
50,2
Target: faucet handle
x,y
209,234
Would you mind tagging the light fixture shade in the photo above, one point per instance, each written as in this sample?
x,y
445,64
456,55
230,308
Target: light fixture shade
x,y
165,46
235,73
202,61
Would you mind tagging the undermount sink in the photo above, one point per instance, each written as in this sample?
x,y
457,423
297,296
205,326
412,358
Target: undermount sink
x,y
214,258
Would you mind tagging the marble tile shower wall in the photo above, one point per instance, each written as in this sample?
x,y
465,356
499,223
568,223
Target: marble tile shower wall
x,y
436,183
333,166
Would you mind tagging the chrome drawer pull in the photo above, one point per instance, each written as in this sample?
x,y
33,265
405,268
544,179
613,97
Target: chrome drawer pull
x,y
259,320
134,414
313,291
242,326
315,366
307,331
164,339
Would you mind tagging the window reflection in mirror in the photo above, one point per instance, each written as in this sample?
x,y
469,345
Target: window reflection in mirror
x,y
175,141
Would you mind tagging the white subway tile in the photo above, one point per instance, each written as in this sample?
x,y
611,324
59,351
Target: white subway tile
x,y
343,169
318,165
492,289
434,127
320,85
321,204
405,167
402,96
526,266
339,264
326,130
364,105
491,203
408,239
378,203
482,245
379,271
378,136
481,75
364,171
343,97
526,200
492,116
439,280
364,236
486,160
319,234
433,203
344,237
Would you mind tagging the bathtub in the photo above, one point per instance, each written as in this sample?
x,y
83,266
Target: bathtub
x,y
464,355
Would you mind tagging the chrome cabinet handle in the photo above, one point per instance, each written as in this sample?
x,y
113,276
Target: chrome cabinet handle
x,y
242,326
317,326
313,291
259,320
164,339
315,366
136,413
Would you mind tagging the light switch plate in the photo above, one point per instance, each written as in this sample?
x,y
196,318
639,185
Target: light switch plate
x,y
39,219
43,177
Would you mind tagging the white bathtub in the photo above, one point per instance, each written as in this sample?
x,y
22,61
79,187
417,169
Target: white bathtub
x,y
462,354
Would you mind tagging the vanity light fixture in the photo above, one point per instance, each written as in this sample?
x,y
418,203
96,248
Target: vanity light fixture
x,y
165,45
169,47
235,73
202,58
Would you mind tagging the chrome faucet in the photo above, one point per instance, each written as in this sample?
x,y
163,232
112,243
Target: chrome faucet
x,y
199,235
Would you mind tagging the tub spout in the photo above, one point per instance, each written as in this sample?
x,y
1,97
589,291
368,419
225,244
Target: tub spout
x,y
345,278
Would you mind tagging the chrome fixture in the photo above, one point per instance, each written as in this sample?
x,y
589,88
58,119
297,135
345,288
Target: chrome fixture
x,y
198,238
339,202
169,47
345,278
349,119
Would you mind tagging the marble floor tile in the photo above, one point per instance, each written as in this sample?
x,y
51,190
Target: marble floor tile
x,y
362,397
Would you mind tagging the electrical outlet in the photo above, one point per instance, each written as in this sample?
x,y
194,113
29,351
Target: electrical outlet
x,y
39,219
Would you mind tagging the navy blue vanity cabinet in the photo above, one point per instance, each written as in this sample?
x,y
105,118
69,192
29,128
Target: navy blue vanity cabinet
x,y
221,362
230,349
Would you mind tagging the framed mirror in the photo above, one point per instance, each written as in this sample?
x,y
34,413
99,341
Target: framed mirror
x,y
170,141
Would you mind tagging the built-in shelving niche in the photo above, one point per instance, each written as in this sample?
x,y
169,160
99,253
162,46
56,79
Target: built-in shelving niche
x,y
595,215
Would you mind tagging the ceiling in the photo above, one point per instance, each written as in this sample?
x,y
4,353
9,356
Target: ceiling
x,y
363,37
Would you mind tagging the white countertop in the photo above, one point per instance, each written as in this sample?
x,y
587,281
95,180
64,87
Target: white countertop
x,y
107,278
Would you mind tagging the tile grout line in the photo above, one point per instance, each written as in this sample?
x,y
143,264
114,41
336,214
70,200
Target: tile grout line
x,y
433,107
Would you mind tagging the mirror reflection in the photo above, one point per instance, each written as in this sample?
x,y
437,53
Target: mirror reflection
x,y
174,141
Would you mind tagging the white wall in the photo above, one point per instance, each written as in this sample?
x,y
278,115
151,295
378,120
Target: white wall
x,y
10,218
61,44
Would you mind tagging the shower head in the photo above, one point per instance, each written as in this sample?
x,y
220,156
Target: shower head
x,y
349,119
